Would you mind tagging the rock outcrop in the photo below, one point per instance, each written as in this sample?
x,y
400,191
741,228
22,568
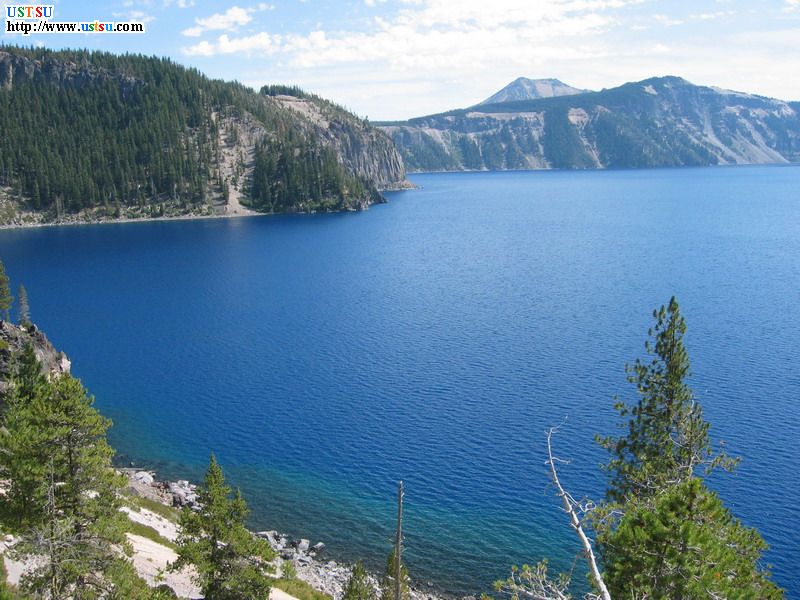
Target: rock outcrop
x,y
13,340
658,122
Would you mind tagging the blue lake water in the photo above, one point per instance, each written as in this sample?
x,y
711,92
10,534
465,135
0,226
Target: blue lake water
x,y
434,339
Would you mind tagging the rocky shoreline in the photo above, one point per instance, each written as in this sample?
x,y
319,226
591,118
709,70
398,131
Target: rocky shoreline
x,y
327,576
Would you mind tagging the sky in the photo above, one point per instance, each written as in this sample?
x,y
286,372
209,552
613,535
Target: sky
x,y
396,59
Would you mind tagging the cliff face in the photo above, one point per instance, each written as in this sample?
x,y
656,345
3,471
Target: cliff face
x,y
131,136
657,122
363,149
13,339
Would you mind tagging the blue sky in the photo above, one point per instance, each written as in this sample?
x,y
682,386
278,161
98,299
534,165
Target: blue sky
x,y
390,59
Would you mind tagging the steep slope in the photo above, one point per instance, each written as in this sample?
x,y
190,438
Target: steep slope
x,y
94,135
663,121
523,88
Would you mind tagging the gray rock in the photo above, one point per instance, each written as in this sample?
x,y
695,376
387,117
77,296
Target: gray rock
x,y
318,547
144,477
303,545
287,554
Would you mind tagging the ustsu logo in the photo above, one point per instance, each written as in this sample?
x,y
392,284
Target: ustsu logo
x,y
29,11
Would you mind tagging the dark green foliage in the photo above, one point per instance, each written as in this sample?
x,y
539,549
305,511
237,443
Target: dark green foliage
x,y
6,299
131,134
63,495
230,561
563,147
293,175
24,307
662,533
26,457
685,545
388,581
666,438
358,586
471,154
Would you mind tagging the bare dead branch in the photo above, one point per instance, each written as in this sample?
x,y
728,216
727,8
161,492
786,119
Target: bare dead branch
x,y
571,507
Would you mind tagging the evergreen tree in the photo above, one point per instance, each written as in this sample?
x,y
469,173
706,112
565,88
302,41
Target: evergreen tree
x,y
388,581
229,560
685,544
63,498
25,456
666,437
662,533
6,299
24,307
358,586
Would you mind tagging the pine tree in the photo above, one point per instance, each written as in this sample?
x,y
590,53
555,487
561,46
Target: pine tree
x,y
25,455
6,299
389,577
63,498
685,544
666,437
662,533
358,586
231,563
24,307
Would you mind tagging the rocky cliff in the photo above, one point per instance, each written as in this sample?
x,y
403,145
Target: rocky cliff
x,y
12,341
663,121
364,149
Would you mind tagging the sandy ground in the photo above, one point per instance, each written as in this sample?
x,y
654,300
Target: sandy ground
x,y
150,559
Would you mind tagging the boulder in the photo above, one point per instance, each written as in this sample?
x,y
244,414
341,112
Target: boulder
x,y
144,477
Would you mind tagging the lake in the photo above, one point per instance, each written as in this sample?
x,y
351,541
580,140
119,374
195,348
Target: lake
x,y
434,339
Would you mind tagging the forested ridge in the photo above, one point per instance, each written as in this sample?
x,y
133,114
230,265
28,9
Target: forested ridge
x,y
120,133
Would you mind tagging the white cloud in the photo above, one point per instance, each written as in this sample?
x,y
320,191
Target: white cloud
x,y
424,56
262,42
235,16
135,15
712,16
791,5
667,21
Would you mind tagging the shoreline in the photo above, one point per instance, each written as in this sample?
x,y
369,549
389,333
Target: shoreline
x,y
327,576
126,220
241,212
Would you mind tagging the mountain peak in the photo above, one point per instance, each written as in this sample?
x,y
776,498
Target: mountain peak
x,y
523,88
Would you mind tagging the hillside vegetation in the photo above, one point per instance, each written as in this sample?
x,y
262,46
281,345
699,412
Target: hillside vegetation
x,y
138,136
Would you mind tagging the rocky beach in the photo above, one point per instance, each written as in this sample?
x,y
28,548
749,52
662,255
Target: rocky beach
x,y
306,556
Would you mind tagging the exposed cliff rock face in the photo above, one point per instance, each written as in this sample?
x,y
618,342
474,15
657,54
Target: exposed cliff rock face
x,y
54,70
363,149
12,341
657,122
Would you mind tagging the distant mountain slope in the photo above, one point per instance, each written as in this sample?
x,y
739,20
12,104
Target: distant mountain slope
x,y
94,135
523,88
663,121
